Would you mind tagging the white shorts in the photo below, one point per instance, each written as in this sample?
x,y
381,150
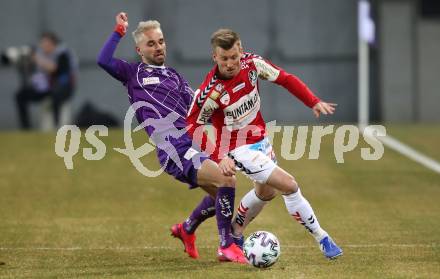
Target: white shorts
x,y
257,161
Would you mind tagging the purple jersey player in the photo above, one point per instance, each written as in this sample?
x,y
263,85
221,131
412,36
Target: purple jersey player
x,y
167,97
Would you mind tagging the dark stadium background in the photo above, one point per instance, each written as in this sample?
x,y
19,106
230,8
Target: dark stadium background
x,y
317,40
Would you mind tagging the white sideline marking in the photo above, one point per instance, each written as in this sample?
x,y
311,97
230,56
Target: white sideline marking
x,y
407,151
208,247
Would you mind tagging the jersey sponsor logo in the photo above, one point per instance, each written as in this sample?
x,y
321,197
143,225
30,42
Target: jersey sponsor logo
x,y
242,112
253,76
238,87
244,107
150,80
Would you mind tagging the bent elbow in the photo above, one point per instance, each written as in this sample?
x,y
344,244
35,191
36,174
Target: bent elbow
x,y
101,63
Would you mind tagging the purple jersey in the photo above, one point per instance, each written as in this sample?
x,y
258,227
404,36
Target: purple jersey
x,y
168,96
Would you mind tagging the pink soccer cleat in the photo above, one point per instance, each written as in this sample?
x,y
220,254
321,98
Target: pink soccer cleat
x,y
232,253
188,240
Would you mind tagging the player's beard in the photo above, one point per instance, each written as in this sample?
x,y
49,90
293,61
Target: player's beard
x,y
159,59
156,59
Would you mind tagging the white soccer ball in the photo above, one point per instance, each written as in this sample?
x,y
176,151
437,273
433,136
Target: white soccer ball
x,y
262,249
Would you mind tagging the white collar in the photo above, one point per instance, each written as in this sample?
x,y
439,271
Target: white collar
x,y
154,66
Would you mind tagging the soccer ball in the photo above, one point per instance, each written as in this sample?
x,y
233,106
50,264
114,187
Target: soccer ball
x,y
262,249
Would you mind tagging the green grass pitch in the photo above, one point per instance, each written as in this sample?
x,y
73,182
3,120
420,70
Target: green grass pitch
x,y
103,219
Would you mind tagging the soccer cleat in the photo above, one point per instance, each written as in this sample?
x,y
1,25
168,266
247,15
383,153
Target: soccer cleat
x,y
239,241
232,253
188,240
329,248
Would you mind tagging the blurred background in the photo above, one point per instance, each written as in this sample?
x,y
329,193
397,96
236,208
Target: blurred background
x,y
316,40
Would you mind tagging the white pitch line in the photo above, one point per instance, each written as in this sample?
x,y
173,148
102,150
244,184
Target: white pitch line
x,y
385,245
404,149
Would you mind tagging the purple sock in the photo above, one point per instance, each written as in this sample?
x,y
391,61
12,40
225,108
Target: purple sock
x,y
224,208
203,211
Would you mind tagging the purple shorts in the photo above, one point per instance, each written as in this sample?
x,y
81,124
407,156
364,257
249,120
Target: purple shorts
x,y
184,165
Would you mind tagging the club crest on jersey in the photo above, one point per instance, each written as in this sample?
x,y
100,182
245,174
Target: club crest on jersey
x,y
253,76
225,98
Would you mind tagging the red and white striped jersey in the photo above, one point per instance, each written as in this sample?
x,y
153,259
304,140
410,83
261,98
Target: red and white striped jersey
x,y
233,105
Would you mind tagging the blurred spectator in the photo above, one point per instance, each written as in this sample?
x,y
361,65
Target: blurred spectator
x,y
53,77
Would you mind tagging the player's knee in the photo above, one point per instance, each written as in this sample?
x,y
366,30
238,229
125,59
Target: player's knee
x,y
290,185
223,181
266,193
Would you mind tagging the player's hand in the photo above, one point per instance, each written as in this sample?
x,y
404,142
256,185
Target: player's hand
x,y
121,23
227,166
122,19
323,107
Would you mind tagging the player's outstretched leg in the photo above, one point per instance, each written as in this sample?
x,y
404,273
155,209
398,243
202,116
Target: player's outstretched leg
x,y
185,231
300,209
250,206
210,175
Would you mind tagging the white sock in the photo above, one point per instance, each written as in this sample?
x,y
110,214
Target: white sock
x,y
250,207
300,209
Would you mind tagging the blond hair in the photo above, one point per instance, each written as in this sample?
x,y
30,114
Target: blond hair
x,y
224,38
143,26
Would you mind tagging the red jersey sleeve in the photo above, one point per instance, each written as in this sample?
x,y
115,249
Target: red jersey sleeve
x,y
203,106
268,71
